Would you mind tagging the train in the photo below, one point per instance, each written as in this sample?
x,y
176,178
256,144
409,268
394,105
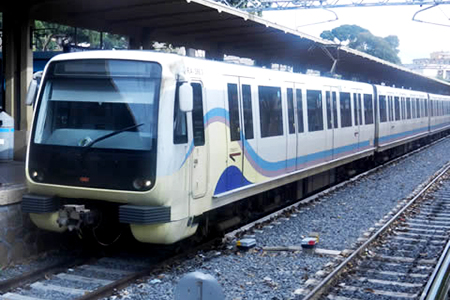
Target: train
x,y
168,146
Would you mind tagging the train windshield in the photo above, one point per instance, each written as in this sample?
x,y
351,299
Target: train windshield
x,y
109,104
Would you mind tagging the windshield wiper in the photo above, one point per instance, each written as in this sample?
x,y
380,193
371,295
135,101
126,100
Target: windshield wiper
x,y
104,137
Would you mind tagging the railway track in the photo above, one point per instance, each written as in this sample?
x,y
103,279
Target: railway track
x,y
398,261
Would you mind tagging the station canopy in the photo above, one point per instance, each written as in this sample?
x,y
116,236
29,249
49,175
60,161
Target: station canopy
x,y
216,28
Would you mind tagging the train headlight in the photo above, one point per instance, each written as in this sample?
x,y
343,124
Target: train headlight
x,y
141,184
37,175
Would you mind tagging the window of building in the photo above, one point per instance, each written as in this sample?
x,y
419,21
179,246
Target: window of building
x,y
248,112
270,111
298,94
233,112
383,109
291,119
368,108
346,109
315,113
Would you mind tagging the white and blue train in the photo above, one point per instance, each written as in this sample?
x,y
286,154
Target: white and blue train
x,y
161,143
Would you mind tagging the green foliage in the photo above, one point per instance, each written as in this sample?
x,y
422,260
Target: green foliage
x,y
53,37
363,40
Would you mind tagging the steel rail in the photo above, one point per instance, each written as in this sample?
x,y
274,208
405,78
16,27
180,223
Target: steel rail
x,y
438,285
23,279
325,283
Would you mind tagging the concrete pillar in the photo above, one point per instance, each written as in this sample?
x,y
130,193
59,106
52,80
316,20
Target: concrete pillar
x,y
18,57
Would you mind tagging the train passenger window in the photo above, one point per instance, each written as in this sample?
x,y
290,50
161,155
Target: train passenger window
x,y
298,94
413,108
368,109
391,108
331,107
408,108
425,102
397,108
402,108
418,108
315,113
233,111
198,125
270,111
383,110
346,109
357,108
290,100
431,108
248,112
179,122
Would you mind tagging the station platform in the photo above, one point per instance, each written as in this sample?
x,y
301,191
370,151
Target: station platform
x,y
12,173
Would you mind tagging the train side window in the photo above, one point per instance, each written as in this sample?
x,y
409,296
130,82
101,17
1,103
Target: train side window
x,y
233,106
198,125
179,122
431,108
397,108
402,109
331,110
315,112
346,109
425,102
368,109
408,108
329,117
383,110
413,108
357,108
291,119
298,94
270,111
390,108
248,112
418,108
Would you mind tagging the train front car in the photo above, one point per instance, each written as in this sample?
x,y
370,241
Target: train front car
x,y
93,150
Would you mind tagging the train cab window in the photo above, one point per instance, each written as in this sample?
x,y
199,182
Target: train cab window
x,y
397,108
179,122
383,110
331,110
270,111
390,108
408,108
248,112
315,112
233,111
298,96
290,101
346,109
368,109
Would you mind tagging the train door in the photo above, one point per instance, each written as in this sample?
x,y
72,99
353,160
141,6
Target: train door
x,y
200,150
357,116
235,148
291,128
300,109
331,117
247,97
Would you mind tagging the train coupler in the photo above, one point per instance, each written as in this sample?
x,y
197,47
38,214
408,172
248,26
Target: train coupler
x,y
75,216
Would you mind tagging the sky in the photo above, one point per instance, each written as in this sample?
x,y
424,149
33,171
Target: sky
x,y
417,40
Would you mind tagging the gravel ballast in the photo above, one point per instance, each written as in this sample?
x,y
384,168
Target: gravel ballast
x,y
340,218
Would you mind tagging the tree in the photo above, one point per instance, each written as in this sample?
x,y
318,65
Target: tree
x,y
361,39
